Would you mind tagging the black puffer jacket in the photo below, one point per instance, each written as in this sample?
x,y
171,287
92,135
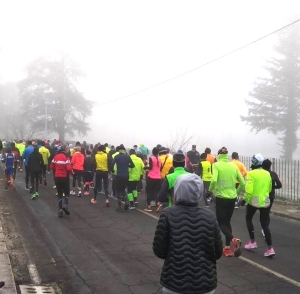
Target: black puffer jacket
x,y
189,239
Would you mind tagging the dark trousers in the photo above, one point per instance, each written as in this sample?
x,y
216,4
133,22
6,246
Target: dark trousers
x,y
140,186
264,218
27,175
63,187
101,175
224,211
206,187
113,185
34,176
43,173
269,209
121,184
152,189
77,177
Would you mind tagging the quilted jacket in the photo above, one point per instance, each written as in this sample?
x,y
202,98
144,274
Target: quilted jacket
x,y
188,238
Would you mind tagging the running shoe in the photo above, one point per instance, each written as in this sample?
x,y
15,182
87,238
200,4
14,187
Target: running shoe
x,y
79,194
251,245
148,209
86,193
60,213
263,233
72,192
269,252
93,201
236,247
106,203
33,196
54,187
227,252
136,204
2,284
131,207
65,209
37,195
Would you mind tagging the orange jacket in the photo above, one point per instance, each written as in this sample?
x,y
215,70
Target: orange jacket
x,y
78,161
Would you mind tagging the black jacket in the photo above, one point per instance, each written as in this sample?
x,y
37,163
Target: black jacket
x,y
89,164
189,240
35,161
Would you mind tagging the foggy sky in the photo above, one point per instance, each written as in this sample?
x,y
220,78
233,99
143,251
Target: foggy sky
x,y
128,46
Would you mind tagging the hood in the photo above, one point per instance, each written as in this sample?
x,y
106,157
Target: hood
x,y
188,189
223,157
142,145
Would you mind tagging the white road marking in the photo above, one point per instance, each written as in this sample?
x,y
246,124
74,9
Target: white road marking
x,y
34,274
285,278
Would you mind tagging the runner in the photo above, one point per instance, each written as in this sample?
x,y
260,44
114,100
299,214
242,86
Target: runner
x,y
9,159
153,180
28,150
35,164
205,172
241,168
77,162
258,188
102,169
276,184
194,157
209,156
135,174
122,162
224,176
88,173
166,191
16,152
61,168
46,155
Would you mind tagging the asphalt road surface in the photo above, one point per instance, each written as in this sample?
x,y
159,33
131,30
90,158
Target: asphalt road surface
x,y
98,250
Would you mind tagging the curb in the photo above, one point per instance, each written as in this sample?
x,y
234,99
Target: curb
x,y
284,215
5,267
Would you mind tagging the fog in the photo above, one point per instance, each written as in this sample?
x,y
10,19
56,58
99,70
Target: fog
x,y
126,47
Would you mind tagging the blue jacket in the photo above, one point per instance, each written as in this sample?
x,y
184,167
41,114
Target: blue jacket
x,y
28,150
123,163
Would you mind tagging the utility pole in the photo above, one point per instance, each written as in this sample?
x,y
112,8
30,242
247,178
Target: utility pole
x,y
46,120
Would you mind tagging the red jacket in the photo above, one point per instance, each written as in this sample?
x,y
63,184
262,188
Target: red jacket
x,y
61,166
78,161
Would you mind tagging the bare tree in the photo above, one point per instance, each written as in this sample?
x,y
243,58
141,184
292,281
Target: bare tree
x,y
180,140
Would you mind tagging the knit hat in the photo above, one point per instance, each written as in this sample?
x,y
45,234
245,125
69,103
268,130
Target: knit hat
x,y
162,150
180,151
266,164
257,160
188,189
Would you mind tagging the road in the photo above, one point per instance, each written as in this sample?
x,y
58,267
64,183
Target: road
x,y
97,250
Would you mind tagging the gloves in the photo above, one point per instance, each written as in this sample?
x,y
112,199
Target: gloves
x,y
242,202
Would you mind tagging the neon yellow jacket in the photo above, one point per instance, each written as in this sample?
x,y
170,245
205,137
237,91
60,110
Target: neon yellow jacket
x,y
138,170
45,153
258,188
224,178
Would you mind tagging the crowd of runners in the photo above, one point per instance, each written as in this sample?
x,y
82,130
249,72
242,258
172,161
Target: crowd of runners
x,y
86,169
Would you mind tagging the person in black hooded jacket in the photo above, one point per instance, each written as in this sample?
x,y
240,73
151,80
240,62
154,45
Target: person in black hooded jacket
x,y
35,163
188,238
276,184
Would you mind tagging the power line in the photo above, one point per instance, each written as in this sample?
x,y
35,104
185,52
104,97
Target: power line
x,y
200,66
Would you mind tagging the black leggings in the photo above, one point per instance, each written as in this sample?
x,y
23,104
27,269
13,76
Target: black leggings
x,y
269,209
121,184
34,176
224,211
62,186
152,189
101,175
264,218
27,175
77,176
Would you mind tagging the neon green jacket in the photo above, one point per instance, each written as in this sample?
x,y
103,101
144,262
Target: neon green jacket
x,y
224,178
258,188
138,170
115,166
21,148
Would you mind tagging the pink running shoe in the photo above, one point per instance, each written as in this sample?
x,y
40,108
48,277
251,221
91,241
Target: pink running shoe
x,y
269,252
251,245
